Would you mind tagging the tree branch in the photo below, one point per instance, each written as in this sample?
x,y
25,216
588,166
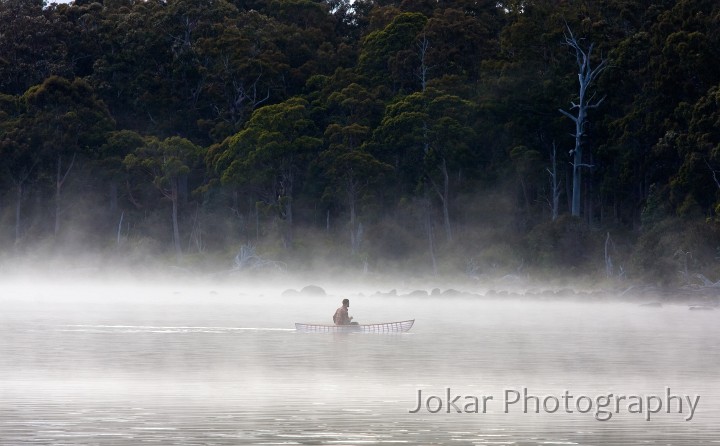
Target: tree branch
x,y
574,118
61,181
714,174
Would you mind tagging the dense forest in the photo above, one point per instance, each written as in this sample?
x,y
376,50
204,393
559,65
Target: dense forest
x,y
440,137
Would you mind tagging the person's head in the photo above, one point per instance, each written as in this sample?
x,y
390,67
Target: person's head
x,y
346,303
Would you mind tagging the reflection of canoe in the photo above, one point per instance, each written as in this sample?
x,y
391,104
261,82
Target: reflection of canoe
x,y
386,327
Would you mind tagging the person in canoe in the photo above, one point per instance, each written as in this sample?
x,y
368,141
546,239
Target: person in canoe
x,y
341,314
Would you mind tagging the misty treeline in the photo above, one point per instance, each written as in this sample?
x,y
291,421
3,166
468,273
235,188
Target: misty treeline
x,y
447,136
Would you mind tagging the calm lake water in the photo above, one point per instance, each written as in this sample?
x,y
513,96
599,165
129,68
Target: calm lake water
x,y
82,365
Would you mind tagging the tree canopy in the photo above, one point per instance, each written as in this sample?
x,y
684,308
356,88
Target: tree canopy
x,y
271,120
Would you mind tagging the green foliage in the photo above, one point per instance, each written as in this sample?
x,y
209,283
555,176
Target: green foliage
x,y
271,149
382,119
673,250
655,209
67,115
164,161
388,55
31,46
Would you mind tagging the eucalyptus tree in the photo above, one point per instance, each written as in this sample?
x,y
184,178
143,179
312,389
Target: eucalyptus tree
x,y
388,56
19,160
30,49
165,162
425,135
351,169
694,186
665,68
130,74
242,68
68,122
270,156
112,153
460,36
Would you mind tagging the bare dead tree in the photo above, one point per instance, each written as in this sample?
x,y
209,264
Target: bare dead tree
x,y
20,179
714,174
59,182
443,193
119,229
707,283
247,96
554,183
248,259
422,72
682,256
587,75
429,228
196,235
352,190
608,257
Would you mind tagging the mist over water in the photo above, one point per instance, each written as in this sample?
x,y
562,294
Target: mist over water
x,y
176,363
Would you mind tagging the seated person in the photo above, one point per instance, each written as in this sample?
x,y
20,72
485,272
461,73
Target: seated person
x,y
341,314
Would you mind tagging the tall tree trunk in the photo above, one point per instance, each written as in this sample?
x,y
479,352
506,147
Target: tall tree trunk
x,y
430,233
288,185
56,230
19,182
289,222
355,235
554,184
59,182
119,230
58,188
257,221
586,76
444,197
577,178
18,208
423,45
176,228
446,200
113,196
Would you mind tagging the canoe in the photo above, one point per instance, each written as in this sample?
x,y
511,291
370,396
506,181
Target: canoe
x,y
385,327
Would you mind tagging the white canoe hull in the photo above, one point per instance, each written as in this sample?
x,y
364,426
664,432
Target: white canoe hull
x,y
385,327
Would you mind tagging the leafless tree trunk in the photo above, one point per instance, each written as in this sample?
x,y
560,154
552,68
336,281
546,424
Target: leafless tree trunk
x,y
244,97
608,257
113,195
176,229
714,174
355,227
554,183
172,195
683,257
20,179
586,76
444,196
427,208
59,182
422,72
257,221
18,208
119,230
285,205
196,235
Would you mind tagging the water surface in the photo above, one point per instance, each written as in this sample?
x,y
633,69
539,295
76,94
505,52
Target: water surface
x,y
219,366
